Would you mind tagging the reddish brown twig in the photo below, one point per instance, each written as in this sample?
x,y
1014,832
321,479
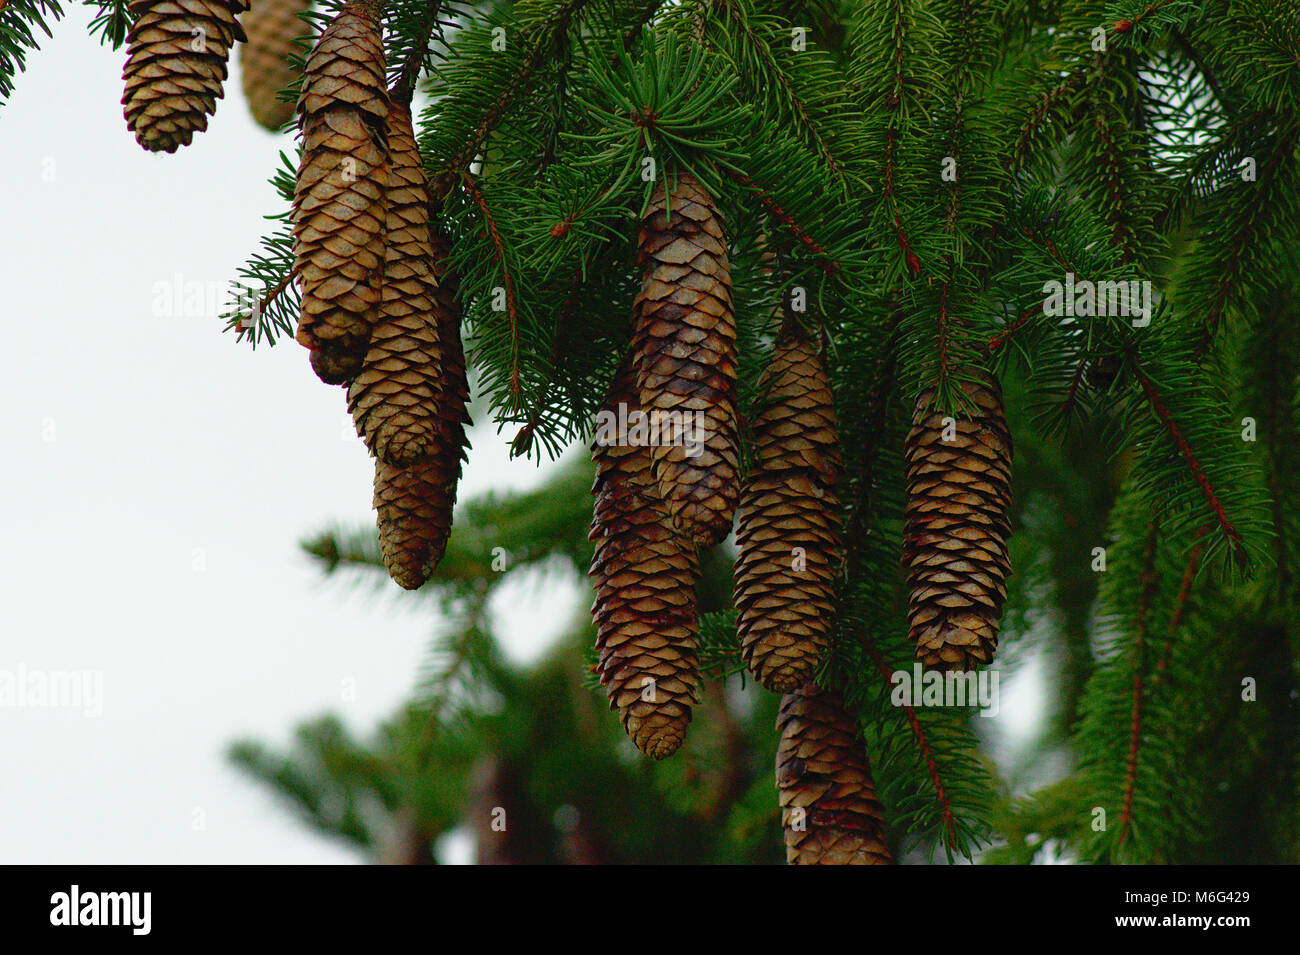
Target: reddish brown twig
x,y
1150,581
499,251
1198,473
922,743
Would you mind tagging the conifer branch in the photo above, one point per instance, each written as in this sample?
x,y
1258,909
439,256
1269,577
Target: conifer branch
x,y
409,74
543,39
894,102
922,745
1180,606
1232,272
1150,581
784,218
476,194
802,113
1194,465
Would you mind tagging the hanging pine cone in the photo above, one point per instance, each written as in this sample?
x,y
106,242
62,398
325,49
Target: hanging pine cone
x,y
413,508
645,608
788,527
828,799
272,26
175,66
684,344
393,399
955,539
338,203
414,505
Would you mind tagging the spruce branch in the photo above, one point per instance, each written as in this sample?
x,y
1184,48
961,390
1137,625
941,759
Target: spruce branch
x,y
20,20
1149,581
1193,464
408,72
540,40
949,821
498,246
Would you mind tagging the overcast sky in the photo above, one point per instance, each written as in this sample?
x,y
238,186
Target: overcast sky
x,y
157,478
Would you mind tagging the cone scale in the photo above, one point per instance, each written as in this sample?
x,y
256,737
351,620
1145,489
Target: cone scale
x,y
414,504
339,200
829,810
177,52
684,346
272,27
787,524
645,611
958,470
394,397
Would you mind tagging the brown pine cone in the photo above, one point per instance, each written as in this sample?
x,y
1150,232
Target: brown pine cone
x,y
645,609
788,523
955,538
684,345
394,398
272,26
339,200
829,809
414,505
175,67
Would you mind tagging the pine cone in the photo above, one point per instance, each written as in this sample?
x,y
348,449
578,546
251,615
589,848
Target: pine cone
x,y
338,204
822,769
394,398
175,66
684,344
414,505
272,26
788,524
955,539
645,608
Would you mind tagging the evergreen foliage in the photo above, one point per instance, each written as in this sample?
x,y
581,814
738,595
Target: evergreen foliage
x,y
914,174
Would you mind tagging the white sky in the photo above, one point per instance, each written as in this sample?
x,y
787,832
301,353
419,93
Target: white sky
x,y
169,437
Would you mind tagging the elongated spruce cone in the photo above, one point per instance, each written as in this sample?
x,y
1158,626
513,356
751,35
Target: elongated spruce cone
x,y
394,398
264,70
175,67
788,523
684,347
645,610
414,504
829,809
338,206
413,507
957,528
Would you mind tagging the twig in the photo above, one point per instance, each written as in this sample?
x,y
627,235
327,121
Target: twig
x,y
471,186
